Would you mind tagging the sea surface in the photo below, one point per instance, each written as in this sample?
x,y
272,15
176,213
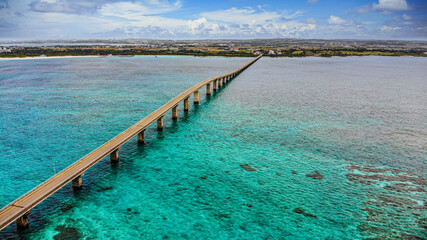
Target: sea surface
x,y
292,148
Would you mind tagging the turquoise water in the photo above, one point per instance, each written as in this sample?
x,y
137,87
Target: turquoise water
x,y
359,122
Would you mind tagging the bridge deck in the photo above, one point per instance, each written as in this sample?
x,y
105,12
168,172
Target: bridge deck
x,y
25,203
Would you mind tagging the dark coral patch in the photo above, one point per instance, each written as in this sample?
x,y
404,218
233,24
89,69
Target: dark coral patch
x,y
303,212
247,167
67,233
372,169
66,207
403,187
315,175
391,201
368,228
422,223
377,177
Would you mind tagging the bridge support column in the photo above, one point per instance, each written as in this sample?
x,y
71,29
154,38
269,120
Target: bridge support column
x,y
141,139
196,97
186,104
160,123
78,181
175,112
219,83
114,156
223,81
22,222
215,86
229,77
208,89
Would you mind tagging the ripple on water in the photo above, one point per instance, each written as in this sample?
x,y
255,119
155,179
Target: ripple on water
x,y
309,148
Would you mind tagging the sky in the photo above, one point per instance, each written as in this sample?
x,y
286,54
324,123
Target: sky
x,y
213,19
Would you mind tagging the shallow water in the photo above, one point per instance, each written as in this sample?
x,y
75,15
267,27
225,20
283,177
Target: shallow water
x,y
359,122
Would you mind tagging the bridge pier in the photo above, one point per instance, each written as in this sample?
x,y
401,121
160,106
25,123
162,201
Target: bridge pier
x,y
160,123
186,105
196,97
175,112
18,210
114,156
141,139
223,81
22,222
78,181
208,89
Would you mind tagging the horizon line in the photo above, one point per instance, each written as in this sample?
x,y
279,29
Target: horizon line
x,y
202,39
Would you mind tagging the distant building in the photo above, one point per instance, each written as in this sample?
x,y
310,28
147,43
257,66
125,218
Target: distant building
x,y
271,52
5,49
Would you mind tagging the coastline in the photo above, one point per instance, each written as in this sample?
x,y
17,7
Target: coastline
x,y
52,57
97,56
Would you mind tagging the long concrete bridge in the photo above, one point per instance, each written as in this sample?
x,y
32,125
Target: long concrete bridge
x,y
19,209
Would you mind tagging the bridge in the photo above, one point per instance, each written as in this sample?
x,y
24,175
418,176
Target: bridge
x,y
19,209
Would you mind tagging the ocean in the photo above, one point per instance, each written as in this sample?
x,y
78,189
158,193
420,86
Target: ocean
x,y
292,148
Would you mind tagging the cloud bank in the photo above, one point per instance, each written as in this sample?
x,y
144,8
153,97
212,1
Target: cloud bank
x,y
65,19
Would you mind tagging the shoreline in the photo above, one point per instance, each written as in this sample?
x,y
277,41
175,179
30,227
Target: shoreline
x,y
97,56
82,56
38,58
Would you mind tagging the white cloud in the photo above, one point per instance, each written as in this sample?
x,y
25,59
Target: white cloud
x,y
241,16
247,22
310,20
131,10
66,6
146,20
386,28
308,27
339,21
291,15
406,17
364,9
391,5
197,25
152,19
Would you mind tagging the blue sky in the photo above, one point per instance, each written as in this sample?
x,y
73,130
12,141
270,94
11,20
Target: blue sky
x,y
217,19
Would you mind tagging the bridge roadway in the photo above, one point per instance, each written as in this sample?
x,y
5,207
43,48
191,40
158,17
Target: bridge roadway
x,y
18,210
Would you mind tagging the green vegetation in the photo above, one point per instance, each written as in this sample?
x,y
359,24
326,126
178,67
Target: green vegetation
x,y
241,52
